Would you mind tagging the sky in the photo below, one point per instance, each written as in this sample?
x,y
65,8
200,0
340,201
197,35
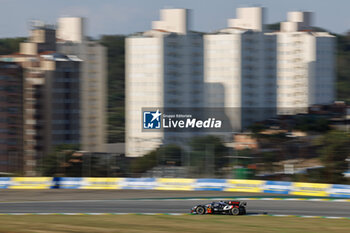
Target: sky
x,y
129,16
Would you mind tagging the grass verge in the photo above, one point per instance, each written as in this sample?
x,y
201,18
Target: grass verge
x,y
141,223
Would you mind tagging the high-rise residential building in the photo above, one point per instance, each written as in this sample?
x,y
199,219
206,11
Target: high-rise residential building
x,y
51,97
93,92
306,65
11,117
249,71
61,107
240,69
71,29
42,38
164,69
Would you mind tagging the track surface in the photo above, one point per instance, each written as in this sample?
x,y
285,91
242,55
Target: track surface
x,y
99,201
313,208
13,195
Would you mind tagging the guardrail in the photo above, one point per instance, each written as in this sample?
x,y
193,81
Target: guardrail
x,y
230,185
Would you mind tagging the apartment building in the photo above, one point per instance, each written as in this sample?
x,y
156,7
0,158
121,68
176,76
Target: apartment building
x,y
93,82
240,69
51,97
164,69
306,65
11,117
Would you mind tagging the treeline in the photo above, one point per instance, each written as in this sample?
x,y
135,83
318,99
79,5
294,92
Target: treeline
x,y
10,45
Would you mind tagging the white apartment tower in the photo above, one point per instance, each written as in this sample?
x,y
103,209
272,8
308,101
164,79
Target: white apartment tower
x,y
72,40
306,65
71,29
240,69
164,68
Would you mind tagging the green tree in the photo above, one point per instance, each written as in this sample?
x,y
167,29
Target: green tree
x,y
165,155
10,45
342,67
269,158
273,26
66,161
57,162
257,128
334,149
116,86
208,155
312,124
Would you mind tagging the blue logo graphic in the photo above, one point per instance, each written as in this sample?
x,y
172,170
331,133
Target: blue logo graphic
x,y
151,120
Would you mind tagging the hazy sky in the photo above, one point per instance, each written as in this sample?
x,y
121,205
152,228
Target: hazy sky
x,y
128,16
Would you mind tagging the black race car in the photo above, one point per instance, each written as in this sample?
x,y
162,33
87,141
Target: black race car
x,y
221,207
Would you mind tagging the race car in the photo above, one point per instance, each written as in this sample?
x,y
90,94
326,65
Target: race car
x,y
221,207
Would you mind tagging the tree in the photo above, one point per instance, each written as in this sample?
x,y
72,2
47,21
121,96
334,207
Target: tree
x,y
67,161
170,155
208,155
269,158
312,124
257,128
273,26
57,162
165,155
343,68
10,45
335,148
116,86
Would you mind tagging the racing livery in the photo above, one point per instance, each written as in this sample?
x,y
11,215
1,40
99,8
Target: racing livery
x,y
221,207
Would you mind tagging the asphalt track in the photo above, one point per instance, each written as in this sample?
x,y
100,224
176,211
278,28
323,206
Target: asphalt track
x,y
130,202
283,207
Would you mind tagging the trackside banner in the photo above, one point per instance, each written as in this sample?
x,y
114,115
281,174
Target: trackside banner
x,y
100,183
138,183
68,182
338,190
311,189
255,186
5,182
210,184
175,184
184,184
31,183
277,187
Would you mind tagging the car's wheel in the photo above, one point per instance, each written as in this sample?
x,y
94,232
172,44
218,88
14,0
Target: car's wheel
x,y
200,210
235,211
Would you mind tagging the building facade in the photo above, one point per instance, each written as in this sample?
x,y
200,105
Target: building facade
x,y
164,69
240,69
11,117
51,97
93,84
61,107
306,65
250,72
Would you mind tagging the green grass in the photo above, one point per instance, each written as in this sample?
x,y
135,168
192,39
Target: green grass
x,y
141,223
